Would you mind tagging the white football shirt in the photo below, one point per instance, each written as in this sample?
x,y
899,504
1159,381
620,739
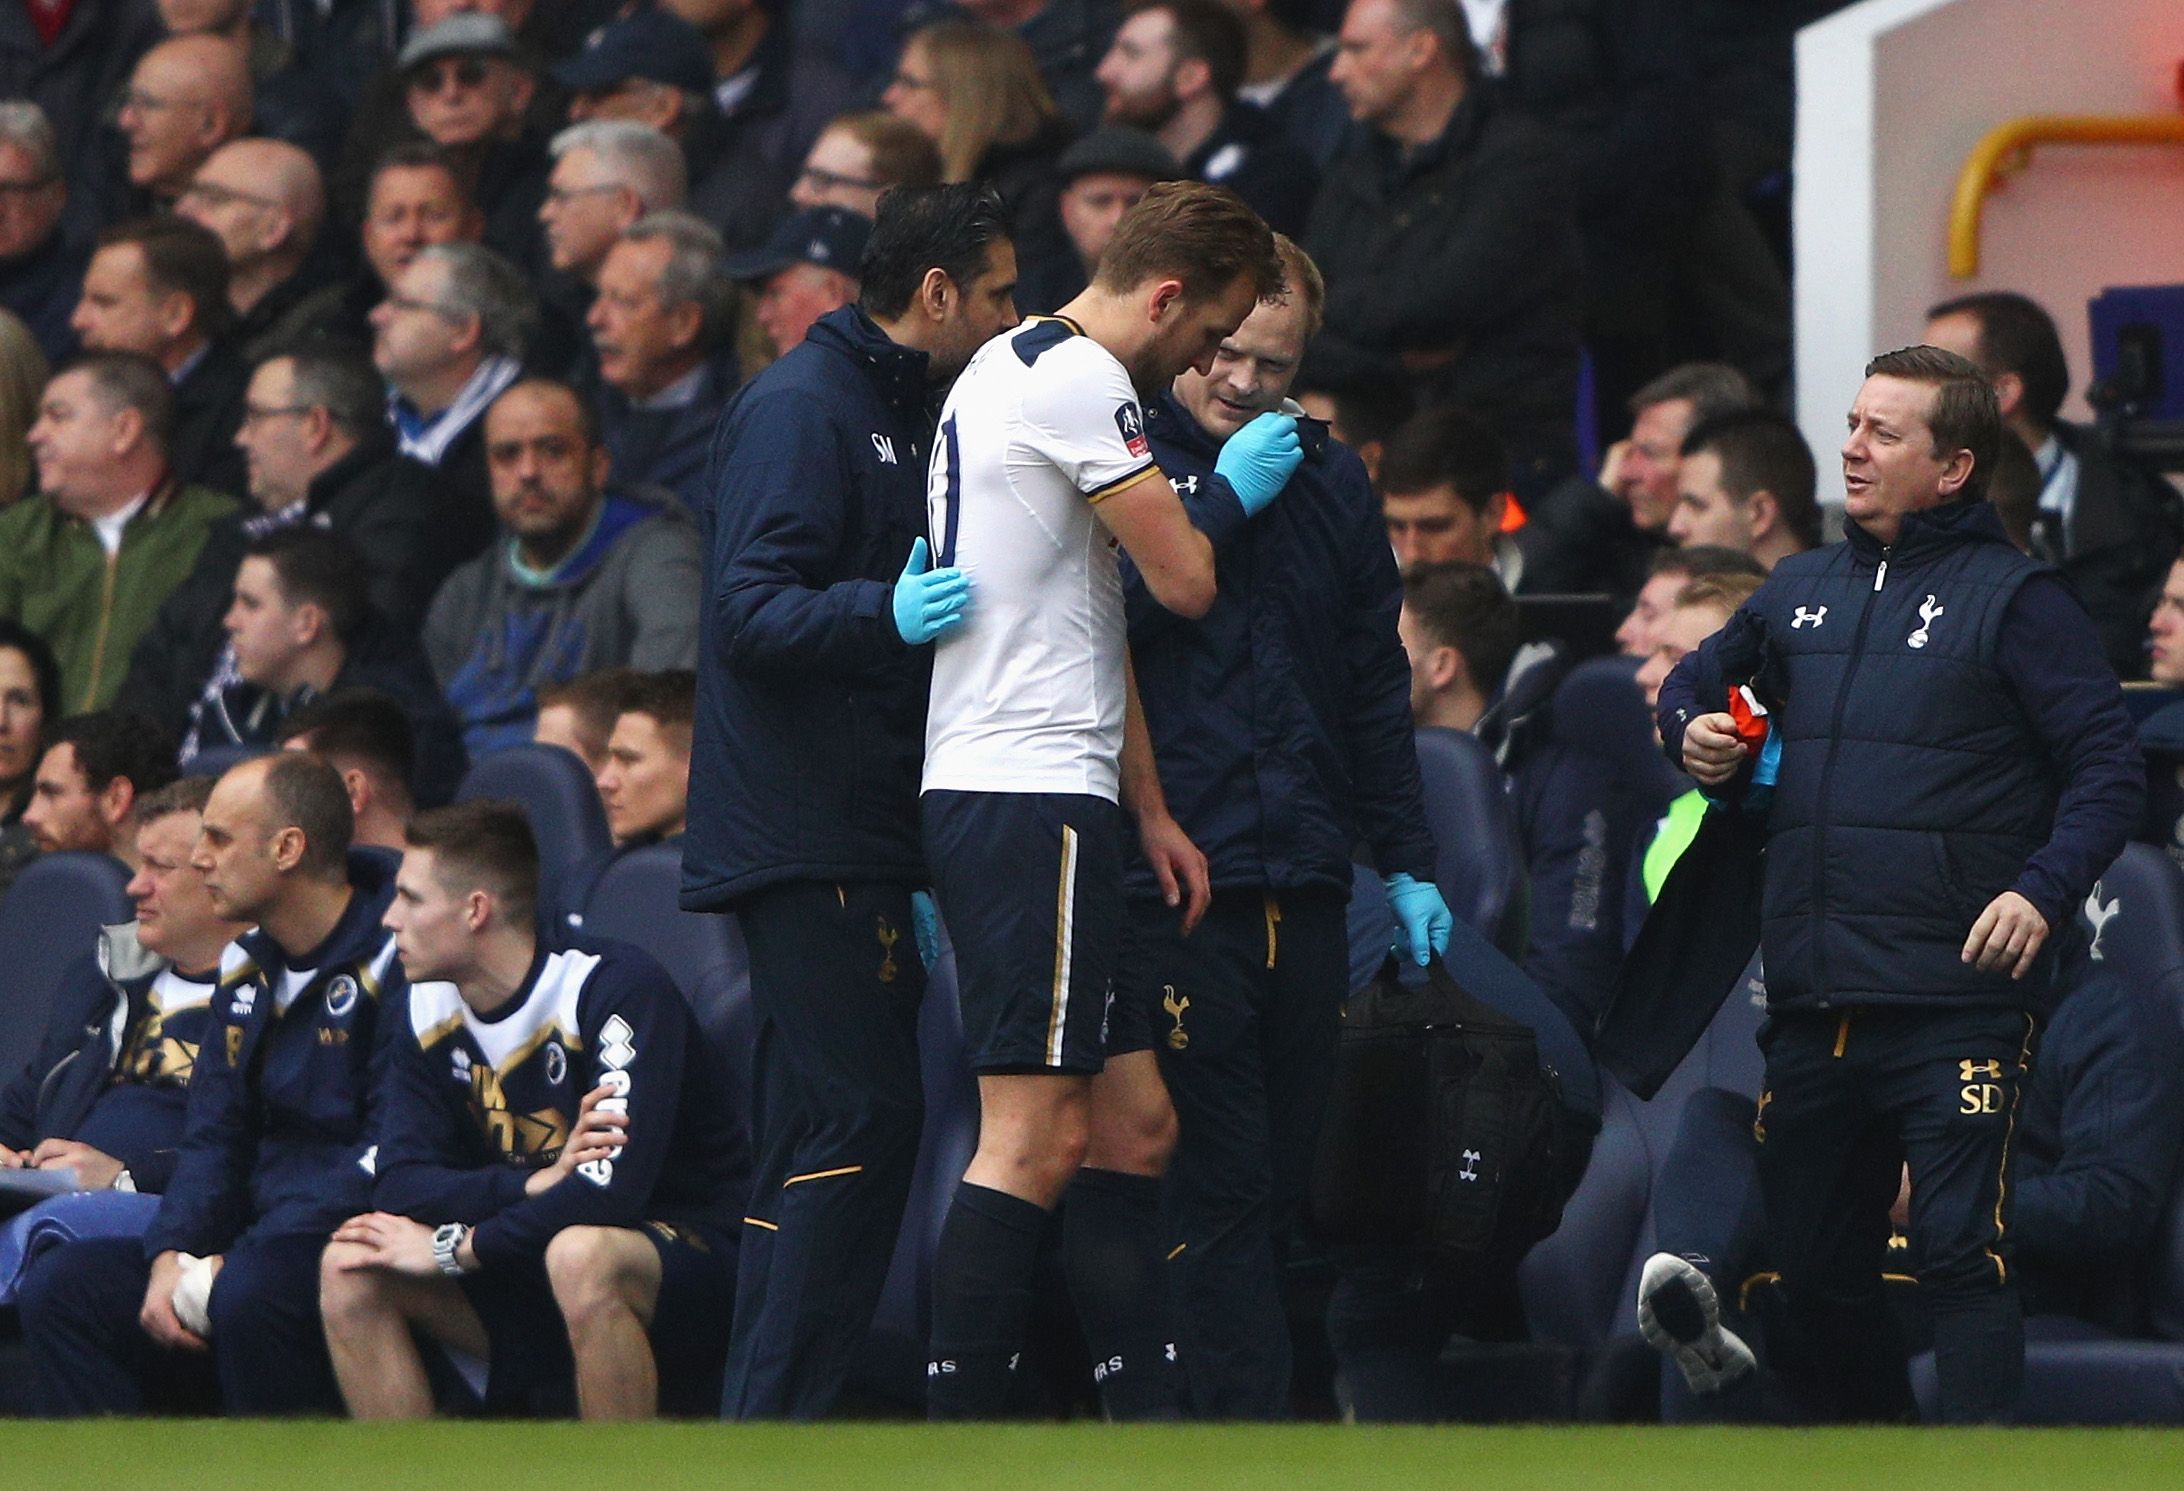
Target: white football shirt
x,y
1028,693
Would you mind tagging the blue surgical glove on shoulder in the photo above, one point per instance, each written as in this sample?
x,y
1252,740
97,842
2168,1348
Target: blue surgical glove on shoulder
x,y
925,927
1423,916
1258,460
929,603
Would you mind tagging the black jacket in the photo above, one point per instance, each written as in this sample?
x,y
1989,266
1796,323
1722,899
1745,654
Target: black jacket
x,y
1281,719
743,164
1950,731
380,501
42,287
1025,177
76,80
2118,545
1250,156
208,410
1462,257
810,731
667,448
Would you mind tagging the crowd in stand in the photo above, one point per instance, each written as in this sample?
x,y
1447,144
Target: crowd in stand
x,y
360,365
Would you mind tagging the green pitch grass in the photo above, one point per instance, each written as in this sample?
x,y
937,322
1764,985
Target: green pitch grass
x,y
518,1457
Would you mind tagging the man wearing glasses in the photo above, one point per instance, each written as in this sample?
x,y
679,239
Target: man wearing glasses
x,y
40,269
264,201
467,91
187,98
859,157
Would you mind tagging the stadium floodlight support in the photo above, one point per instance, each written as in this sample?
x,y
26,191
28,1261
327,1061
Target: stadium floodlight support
x,y
2007,148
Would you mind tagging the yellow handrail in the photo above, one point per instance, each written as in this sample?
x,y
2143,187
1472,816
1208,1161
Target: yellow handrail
x,y
2006,147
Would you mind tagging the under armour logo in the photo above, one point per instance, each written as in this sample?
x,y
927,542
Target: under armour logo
x,y
1471,1165
2099,913
884,448
1817,616
1971,1069
1927,613
1185,486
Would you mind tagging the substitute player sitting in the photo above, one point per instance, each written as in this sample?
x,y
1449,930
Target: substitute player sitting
x,y
557,1171
1040,471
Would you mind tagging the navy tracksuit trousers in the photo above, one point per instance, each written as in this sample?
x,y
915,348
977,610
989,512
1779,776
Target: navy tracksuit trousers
x,y
837,1105
79,1307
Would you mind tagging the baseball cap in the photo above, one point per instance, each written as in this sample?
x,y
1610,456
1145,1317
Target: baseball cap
x,y
650,44
831,237
467,33
1118,148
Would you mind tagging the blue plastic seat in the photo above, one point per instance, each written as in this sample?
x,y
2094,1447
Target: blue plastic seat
x,y
1477,865
556,791
49,922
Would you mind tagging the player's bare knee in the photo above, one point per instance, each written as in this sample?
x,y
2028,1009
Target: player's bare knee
x,y
590,1275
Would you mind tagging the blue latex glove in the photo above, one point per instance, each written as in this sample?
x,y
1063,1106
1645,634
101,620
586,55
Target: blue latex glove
x,y
1258,460
1421,913
929,603
925,926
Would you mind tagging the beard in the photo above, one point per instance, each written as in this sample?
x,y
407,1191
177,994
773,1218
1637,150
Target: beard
x,y
1148,111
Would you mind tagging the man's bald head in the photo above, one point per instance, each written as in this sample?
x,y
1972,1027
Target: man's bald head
x,y
220,68
264,200
188,96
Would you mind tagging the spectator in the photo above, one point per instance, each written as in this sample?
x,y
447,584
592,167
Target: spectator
x,y
72,63
590,576
290,105
319,451
579,715
1362,411
188,96
95,769
806,269
1066,39
608,1240
1671,571
264,201
978,95
1174,70
158,287
88,561
650,67
1576,825
1599,536
276,1152
1286,67
41,270
365,735
2110,523
1444,489
1745,481
105,1094
662,329
771,100
645,785
2165,633
466,90
860,156
1102,176
449,337
607,174
413,201
24,374
300,629
30,710
1448,238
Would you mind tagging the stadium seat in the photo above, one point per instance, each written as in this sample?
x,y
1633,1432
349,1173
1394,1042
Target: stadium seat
x,y
214,761
49,921
1598,707
1478,866
558,794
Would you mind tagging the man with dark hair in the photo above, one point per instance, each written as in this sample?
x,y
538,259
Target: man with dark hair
x,y
589,575
1281,727
2107,522
579,715
299,627
366,735
316,443
96,768
278,1148
645,785
104,1096
662,331
1043,480
1670,572
158,287
87,562
810,724
1448,236
1746,482
1956,769
1444,490
1576,823
1173,70
567,1210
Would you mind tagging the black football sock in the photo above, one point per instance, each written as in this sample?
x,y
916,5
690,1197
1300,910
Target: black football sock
x,y
982,1273
1113,1255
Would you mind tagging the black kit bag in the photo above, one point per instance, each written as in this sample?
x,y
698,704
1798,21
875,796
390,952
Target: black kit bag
x,y
1443,1132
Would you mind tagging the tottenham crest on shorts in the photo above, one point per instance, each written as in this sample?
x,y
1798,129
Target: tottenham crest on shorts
x,y
1132,425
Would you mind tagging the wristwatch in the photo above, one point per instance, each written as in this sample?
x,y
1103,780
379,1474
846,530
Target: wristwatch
x,y
447,1242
